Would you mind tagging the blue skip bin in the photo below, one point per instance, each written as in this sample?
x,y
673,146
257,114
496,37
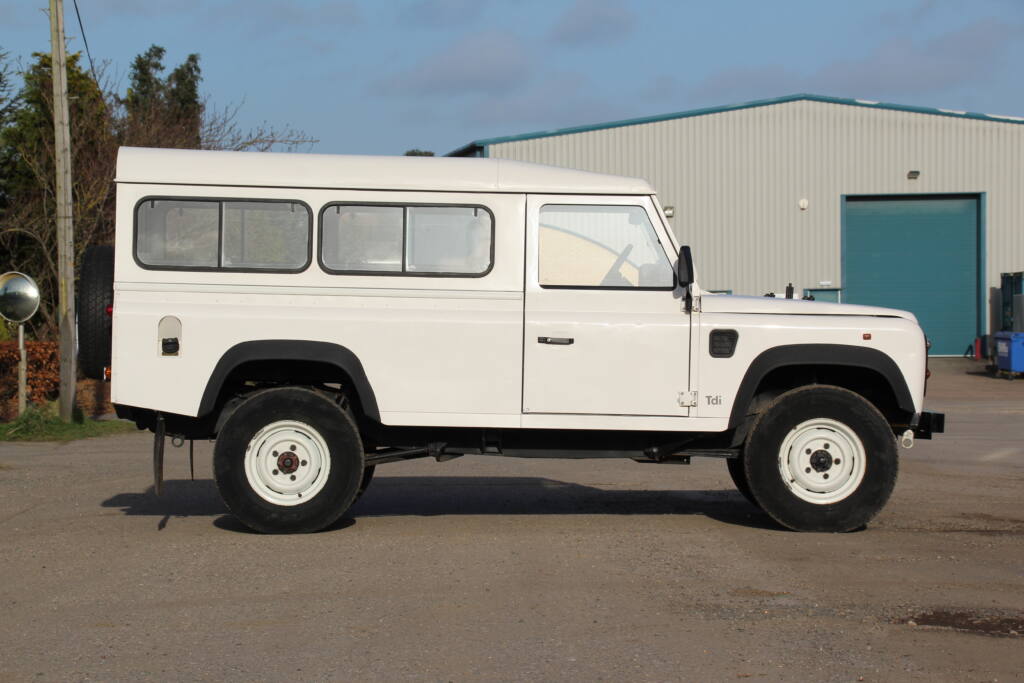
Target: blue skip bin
x,y
1010,351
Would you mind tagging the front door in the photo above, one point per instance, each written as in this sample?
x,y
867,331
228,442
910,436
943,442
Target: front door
x,y
606,331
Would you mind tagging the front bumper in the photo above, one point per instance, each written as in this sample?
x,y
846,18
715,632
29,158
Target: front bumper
x,y
929,423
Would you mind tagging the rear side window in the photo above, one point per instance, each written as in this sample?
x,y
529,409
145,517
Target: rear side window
x,y
362,238
222,234
382,239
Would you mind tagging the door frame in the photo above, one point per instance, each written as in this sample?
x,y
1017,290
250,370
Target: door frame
x,y
981,318
532,288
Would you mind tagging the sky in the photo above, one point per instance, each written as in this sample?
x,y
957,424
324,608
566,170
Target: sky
x,y
384,76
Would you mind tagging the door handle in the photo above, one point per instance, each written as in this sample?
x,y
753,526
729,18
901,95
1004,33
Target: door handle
x,y
559,341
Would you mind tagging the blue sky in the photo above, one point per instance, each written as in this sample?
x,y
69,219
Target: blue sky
x,y
380,77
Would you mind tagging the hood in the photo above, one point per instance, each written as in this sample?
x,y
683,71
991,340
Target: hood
x,y
727,303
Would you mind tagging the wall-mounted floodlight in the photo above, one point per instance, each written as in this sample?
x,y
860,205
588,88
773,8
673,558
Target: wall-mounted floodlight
x,y
913,175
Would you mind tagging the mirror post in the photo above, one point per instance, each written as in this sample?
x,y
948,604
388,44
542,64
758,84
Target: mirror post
x,y
22,371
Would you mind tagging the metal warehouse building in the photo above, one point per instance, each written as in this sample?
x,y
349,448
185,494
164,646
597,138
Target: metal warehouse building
x,y
850,200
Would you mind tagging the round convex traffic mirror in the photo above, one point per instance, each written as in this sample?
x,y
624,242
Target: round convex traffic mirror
x,y
19,297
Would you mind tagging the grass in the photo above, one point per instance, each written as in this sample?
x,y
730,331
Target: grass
x,y
41,423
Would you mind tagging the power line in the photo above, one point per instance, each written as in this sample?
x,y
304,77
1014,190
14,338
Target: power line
x,y
86,41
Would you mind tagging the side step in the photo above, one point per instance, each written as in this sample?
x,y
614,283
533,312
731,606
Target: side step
x,y
442,452
653,455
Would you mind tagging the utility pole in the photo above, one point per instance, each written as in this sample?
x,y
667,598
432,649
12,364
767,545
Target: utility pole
x,y
65,228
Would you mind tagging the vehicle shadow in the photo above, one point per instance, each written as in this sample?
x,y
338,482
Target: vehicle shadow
x,y
428,496
432,496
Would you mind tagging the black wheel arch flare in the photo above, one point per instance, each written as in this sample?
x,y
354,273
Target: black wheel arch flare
x,y
842,355
290,350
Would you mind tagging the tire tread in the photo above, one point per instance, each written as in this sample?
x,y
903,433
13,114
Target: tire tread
x,y
95,294
761,459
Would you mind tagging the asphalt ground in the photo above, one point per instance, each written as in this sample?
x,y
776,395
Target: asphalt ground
x,y
504,569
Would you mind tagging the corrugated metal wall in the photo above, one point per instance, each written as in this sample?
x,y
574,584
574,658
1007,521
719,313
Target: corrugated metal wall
x,y
736,178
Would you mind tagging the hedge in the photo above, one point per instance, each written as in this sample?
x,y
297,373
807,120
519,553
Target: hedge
x,y
43,370
93,396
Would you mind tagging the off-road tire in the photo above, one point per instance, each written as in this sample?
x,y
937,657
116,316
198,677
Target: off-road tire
x,y
296,420
365,483
805,435
738,472
95,297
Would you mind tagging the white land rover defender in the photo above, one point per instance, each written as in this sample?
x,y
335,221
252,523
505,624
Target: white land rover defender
x,y
321,315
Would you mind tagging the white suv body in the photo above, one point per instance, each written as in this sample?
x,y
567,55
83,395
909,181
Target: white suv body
x,y
523,303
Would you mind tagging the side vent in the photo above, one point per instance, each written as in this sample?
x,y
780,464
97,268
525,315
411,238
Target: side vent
x,y
723,343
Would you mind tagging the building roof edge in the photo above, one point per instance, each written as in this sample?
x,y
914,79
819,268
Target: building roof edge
x,y
870,104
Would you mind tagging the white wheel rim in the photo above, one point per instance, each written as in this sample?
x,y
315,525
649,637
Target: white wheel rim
x,y
287,463
822,461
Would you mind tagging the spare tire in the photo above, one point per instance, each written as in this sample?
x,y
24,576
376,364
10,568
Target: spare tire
x,y
95,306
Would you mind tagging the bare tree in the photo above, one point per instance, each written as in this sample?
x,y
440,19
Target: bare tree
x,y
156,111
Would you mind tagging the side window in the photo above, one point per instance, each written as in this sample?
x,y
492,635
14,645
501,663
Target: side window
x,y
270,235
594,246
215,234
362,238
448,239
417,239
177,234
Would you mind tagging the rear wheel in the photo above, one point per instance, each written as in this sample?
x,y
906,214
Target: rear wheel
x,y
95,308
821,458
288,460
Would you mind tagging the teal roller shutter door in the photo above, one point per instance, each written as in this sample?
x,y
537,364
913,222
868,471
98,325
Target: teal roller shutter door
x,y
920,255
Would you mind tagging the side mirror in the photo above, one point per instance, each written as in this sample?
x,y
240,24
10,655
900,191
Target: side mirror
x,y
684,267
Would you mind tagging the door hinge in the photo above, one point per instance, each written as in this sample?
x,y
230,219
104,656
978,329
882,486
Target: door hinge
x,y
687,399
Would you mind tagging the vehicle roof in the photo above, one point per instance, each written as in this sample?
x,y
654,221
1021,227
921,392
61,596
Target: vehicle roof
x,y
335,171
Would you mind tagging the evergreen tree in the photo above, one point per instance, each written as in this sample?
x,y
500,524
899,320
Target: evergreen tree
x,y
163,111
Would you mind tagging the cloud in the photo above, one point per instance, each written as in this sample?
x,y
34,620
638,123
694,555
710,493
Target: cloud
x,y
268,13
594,22
896,68
23,15
490,62
281,13
441,13
899,66
906,16
559,99
745,83
115,9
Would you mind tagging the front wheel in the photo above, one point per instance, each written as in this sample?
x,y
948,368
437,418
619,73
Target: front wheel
x,y
738,473
821,458
365,483
288,460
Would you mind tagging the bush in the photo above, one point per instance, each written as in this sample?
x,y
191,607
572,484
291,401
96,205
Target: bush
x,y
92,397
43,371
